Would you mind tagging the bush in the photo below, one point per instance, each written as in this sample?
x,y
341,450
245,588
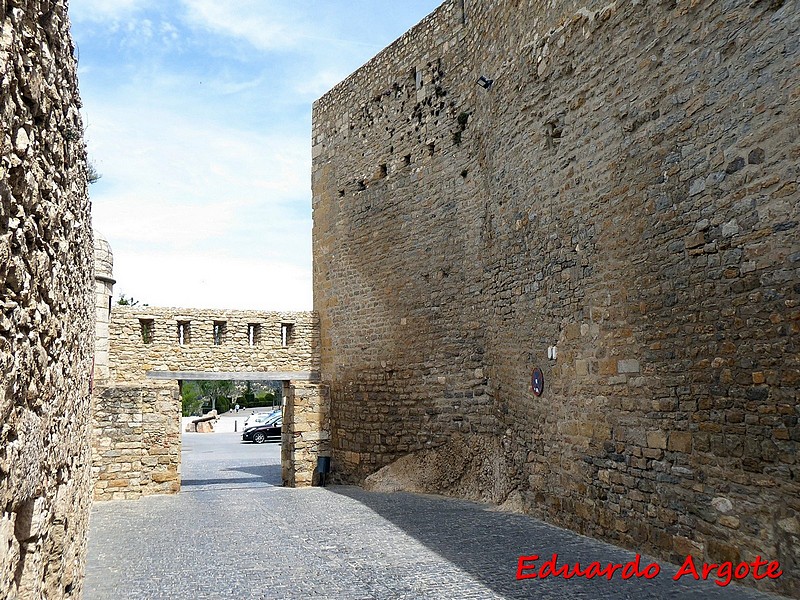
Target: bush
x,y
247,401
266,399
223,404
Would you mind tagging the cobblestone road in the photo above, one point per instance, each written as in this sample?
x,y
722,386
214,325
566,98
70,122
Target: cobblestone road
x,y
233,532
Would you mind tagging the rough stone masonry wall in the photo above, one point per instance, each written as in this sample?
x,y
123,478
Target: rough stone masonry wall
x,y
46,307
130,356
627,192
306,433
136,441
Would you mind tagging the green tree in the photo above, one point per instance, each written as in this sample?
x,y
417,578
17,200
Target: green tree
x,y
123,300
196,394
191,401
213,391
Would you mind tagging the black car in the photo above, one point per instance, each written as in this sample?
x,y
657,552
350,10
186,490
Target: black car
x,y
260,433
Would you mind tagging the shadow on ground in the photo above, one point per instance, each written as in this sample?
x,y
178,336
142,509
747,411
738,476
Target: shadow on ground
x,y
266,474
487,544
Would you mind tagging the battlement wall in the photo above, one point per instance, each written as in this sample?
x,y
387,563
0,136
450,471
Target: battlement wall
x,y
178,339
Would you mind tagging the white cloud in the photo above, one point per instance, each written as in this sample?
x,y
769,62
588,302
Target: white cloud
x,y
316,85
198,118
206,198
266,26
105,10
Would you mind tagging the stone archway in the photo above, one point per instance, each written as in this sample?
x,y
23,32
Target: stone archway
x,y
141,352
137,432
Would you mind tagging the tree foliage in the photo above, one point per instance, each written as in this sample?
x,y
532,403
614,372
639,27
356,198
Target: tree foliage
x,y
123,300
196,394
92,174
192,403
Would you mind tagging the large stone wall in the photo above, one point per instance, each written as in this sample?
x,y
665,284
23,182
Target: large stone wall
x,y
132,354
626,192
46,318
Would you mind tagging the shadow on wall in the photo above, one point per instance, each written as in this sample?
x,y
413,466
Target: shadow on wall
x,y
487,543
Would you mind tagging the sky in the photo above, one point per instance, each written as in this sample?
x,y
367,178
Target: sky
x,y
197,115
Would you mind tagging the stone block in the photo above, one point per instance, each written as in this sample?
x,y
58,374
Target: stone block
x,y
581,368
729,521
680,441
685,547
723,505
657,439
719,551
31,519
628,366
161,477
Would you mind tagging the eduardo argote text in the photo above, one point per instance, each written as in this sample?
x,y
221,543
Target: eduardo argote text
x,y
530,567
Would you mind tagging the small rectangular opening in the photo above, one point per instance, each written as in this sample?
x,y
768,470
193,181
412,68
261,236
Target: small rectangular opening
x,y
147,327
184,332
220,331
407,160
254,334
286,334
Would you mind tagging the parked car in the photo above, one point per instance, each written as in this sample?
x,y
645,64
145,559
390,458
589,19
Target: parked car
x,y
260,433
262,418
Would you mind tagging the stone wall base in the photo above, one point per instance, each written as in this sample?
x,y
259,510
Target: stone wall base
x,y
136,443
306,433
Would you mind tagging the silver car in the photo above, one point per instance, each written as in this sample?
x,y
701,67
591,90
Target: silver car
x,y
262,418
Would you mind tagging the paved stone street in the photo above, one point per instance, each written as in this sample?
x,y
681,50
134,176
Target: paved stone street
x,y
233,532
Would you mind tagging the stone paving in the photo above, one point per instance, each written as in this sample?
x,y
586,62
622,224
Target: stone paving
x,y
233,532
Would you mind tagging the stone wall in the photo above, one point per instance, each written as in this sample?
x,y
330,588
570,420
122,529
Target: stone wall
x,y
626,192
132,352
47,307
137,441
306,433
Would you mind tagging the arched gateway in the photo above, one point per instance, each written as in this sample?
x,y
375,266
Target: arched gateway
x,y
143,352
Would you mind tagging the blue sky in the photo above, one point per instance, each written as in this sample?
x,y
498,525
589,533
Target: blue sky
x,y
198,116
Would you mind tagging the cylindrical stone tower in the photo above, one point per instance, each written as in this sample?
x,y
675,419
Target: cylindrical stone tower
x,y
104,289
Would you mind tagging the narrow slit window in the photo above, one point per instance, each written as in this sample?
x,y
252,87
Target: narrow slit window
x,y
253,334
220,329
147,327
109,307
184,332
286,334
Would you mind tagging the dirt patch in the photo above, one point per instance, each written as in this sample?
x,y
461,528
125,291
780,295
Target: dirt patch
x,y
474,468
